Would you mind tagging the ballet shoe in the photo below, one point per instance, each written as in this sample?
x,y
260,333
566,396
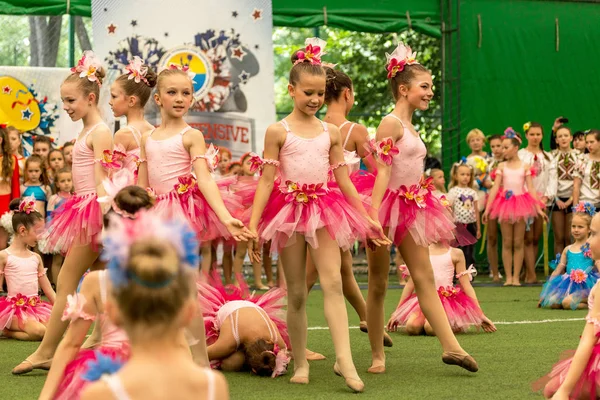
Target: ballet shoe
x,y
299,380
387,340
29,366
462,360
356,385
314,356
363,327
377,369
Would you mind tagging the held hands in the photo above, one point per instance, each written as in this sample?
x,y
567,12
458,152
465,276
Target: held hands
x,y
237,229
254,249
561,204
380,239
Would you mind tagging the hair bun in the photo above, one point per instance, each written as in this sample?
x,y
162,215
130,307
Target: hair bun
x,y
151,77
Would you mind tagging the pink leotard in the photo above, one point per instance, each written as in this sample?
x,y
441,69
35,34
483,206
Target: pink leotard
x,y
84,162
514,179
305,160
408,165
167,161
443,269
133,155
112,335
22,275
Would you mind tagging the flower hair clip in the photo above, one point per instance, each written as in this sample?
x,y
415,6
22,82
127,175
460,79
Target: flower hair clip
x,y
27,205
399,59
88,66
281,361
122,233
312,52
137,70
585,207
182,68
510,133
526,126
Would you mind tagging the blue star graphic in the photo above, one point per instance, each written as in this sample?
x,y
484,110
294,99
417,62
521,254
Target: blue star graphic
x,y
26,114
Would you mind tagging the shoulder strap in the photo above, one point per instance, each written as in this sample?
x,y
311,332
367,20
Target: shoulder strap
x,y
137,136
92,129
102,280
152,131
234,327
115,386
349,133
325,128
285,125
8,252
210,384
187,128
395,117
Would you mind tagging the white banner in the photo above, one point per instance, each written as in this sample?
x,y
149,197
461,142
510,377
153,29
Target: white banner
x,y
30,101
226,43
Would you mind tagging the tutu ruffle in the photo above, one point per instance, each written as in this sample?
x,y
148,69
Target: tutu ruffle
x,y
461,310
514,208
577,284
73,383
587,385
186,201
304,210
23,308
77,222
213,295
427,220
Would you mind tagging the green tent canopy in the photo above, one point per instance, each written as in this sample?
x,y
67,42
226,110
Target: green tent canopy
x,y
354,15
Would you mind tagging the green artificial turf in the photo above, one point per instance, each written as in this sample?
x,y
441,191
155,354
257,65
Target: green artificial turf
x,y
509,359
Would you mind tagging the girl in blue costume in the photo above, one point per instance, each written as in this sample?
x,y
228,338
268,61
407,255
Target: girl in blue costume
x,y
570,289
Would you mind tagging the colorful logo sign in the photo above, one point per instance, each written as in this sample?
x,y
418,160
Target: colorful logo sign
x,y
197,62
18,106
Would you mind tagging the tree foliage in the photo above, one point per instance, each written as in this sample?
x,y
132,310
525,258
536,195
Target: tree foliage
x,y
362,57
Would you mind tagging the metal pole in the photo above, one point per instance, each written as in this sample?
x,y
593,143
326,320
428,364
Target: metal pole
x,y
71,41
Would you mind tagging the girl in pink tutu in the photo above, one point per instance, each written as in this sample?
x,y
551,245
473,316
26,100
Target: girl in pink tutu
x,y
459,302
412,216
577,376
244,330
512,201
128,97
152,265
339,98
23,315
540,162
302,213
495,142
77,224
168,154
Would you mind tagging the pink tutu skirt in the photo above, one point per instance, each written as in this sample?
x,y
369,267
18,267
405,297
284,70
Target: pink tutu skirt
x,y
213,295
587,385
513,208
72,383
77,222
461,310
23,308
295,209
186,201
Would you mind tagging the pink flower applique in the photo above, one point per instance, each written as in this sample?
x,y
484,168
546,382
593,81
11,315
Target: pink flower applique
x,y
578,276
185,186
386,150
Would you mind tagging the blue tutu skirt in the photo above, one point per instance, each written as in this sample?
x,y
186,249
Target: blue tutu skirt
x,y
576,284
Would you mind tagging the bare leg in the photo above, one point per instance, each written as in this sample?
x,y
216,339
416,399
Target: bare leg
x,y
538,229
206,252
57,262
558,227
78,260
328,262
492,248
568,301
227,262
257,270
198,347
32,331
268,264
518,232
280,275
567,234
415,324
311,274
507,251
379,266
293,259
350,287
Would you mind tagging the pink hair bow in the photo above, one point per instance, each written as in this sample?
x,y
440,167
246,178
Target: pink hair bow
x,y
471,271
27,205
88,66
281,361
313,51
183,68
137,70
400,57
